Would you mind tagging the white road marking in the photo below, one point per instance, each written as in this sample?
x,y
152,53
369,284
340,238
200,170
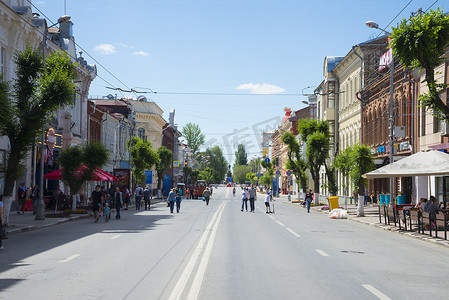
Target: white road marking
x,y
115,236
292,232
280,223
182,282
322,252
198,279
69,258
376,292
272,218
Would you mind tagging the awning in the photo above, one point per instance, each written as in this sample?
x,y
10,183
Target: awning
x,y
430,163
99,175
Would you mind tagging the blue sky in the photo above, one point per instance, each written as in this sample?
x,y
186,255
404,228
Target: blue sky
x,y
259,55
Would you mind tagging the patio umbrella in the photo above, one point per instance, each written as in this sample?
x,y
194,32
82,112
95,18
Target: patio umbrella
x,y
99,175
430,163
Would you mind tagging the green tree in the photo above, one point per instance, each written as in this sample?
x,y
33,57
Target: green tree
x,y
187,171
143,157
266,180
250,177
38,91
207,175
193,136
213,158
239,173
343,163
241,156
421,42
162,164
295,161
316,134
78,164
361,163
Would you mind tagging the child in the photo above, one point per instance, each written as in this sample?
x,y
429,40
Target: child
x,y
107,211
267,202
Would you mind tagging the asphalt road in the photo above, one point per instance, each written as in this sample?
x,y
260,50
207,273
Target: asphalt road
x,y
219,252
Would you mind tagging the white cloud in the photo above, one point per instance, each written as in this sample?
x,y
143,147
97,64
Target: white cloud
x,y
141,53
105,49
261,88
123,45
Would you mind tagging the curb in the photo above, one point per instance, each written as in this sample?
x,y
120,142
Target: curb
x,y
35,227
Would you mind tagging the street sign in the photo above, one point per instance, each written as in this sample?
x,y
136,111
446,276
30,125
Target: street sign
x,y
278,172
289,173
176,163
267,160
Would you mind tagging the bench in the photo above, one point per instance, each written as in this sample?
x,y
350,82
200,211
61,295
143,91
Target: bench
x,y
415,218
440,220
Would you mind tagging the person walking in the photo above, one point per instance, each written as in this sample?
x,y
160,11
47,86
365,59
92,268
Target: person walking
x,y
191,192
35,198
178,200
244,199
138,194
107,212
146,198
233,192
97,202
118,199
252,197
267,202
21,193
126,196
171,199
309,198
206,195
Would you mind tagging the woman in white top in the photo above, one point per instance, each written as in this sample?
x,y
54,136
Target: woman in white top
x,y
245,199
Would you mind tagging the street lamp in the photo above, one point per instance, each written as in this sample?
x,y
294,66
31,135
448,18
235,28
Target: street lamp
x,y
40,213
372,24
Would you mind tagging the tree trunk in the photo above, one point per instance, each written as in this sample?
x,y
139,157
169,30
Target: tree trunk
x,y
10,179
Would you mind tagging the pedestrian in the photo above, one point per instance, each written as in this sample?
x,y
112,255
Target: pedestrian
x,y
107,212
1,222
118,199
97,202
365,198
309,198
211,189
126,197
171,199
35,198
252,197
178,200
191,192
428,203
146,198
21,193
244,199
138,194
206,195
267,202
233,192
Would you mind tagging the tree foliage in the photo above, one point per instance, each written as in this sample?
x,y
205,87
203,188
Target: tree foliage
x,y
207,175
342,162
163,162
213,158
241,156
316,135
193,136
239,173
421,42
143,157
250,177
79,163
361,163
295,161
39,89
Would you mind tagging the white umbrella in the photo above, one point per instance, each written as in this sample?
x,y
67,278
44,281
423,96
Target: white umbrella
x,y
430,163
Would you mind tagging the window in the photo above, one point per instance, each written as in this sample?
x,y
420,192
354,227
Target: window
x,y
141,133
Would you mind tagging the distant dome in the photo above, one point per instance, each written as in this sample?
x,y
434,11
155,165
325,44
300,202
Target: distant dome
x,y
142,99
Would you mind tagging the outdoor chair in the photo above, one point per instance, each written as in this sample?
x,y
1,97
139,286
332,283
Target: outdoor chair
x,y
440,220
415,218
391,213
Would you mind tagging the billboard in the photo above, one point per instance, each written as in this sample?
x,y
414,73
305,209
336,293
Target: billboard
x,y
123,176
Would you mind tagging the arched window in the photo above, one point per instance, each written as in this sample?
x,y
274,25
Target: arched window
x,y
141,133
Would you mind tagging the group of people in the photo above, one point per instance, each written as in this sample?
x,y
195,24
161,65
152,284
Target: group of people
x,y
430,206
22,194
117,198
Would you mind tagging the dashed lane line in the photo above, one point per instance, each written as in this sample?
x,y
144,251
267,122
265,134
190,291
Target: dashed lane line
x,y
69,258
376,292
115,236
293,232
283,225
322,252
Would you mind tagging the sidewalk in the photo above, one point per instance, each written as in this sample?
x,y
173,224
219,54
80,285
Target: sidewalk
x,y
26,222
371,218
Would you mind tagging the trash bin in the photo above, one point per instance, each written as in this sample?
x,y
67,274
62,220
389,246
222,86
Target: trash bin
x,y
333,202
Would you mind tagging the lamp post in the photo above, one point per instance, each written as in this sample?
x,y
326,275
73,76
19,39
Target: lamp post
x,y
40,212
372,24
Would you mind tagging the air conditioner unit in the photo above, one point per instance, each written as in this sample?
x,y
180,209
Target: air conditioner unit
x,y
399,131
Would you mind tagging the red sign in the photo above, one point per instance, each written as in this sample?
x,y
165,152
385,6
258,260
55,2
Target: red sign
x,y
385,59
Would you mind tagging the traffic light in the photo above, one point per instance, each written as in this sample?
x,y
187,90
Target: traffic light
x,y
276,161
185,164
